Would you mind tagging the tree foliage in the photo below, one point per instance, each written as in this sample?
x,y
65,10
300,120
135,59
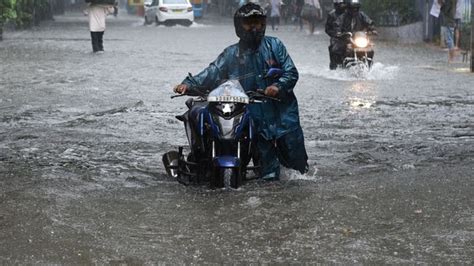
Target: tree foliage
x,y
26,10
7,10
391,12
22,13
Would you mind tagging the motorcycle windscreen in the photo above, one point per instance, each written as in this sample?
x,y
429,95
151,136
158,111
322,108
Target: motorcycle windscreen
x,y
229,92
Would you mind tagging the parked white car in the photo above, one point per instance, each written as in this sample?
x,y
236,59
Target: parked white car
x,y
169,11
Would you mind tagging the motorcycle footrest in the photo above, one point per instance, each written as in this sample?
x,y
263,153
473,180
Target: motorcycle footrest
x,y
188,173
191,163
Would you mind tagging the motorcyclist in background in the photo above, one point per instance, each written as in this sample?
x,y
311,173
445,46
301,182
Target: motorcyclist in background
x,y
354,20
337,46
280,136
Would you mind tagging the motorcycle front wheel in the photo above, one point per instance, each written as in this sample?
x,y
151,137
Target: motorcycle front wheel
x,y
226,178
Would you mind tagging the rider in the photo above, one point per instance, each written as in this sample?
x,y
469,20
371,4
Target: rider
x,y
354,20
280,137
337,46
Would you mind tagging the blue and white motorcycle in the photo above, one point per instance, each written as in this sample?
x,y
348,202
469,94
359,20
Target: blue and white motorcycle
x,y
221,137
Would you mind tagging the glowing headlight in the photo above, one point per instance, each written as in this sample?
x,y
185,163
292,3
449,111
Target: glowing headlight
x,y
361,42
227,109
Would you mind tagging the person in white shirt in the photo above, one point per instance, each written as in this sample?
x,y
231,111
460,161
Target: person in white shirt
x,y
97,14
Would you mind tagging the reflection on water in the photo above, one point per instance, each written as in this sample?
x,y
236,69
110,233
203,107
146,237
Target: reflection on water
x,y
361,95
357,103
362,87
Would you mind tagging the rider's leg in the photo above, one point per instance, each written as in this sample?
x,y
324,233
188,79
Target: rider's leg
x,y
292,152
270,166
332,59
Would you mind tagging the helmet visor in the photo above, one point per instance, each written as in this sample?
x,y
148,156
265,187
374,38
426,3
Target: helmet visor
x,y
253,23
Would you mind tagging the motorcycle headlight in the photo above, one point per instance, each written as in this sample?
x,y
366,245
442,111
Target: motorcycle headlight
x,y
361,42
227,110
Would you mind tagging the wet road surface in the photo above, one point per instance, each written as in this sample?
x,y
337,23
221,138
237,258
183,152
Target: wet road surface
x,y
82,135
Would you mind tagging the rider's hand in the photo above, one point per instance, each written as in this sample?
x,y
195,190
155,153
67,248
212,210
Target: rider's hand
x,y
374,32
180,89
272,91
344,35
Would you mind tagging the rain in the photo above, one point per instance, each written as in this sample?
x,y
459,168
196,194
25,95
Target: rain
x,y
82,137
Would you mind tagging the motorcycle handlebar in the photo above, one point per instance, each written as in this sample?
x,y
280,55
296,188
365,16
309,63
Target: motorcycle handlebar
x,y
192,91
349,34
255,95
344,34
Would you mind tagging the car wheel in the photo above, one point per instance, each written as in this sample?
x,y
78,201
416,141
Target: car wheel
x,y
188,23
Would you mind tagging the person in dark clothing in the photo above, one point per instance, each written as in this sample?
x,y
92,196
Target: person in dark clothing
x,y
354,20
337,45
115,9
298,7
280,137
448,11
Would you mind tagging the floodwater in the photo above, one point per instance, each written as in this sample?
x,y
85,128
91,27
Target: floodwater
x,y
82,135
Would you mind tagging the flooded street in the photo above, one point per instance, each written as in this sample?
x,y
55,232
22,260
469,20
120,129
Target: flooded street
x,y
391,175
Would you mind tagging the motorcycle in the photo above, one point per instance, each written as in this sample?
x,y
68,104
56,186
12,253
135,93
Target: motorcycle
x,y
360,51
221,136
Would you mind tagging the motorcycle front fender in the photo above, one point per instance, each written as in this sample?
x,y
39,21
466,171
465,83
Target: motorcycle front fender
x,y
226,162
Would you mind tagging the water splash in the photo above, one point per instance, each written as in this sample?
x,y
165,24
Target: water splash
x,y
198,25
253,202
379,71
289,174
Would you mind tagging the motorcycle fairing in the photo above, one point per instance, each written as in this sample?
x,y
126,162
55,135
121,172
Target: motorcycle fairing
x,y
192,122
227,127
246,120
204,117
239,122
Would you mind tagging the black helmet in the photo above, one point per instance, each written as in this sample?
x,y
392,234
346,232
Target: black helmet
x,y
250,11
339,5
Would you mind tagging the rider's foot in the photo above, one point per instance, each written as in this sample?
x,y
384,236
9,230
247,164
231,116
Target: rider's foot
x,y
271,177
